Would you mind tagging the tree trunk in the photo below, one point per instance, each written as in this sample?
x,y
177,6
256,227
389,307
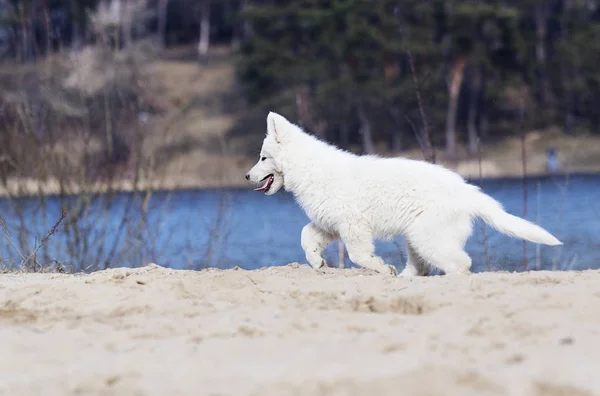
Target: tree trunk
x,y
162,22
307,116
299,110
541,30
345,136
397,140
47,27
76,27
246,27
127,24
566,72
115,7
24,33
365,130
241,31
204,41
474,95
424,135
397,134
456,77
484,124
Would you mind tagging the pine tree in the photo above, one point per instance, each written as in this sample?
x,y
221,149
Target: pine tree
x,y
481,41
349,57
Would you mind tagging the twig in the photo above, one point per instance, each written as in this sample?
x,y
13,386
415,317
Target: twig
x,y
256,284
7,233
431,150
538,248
524,163
418,136
45,239
561,212
485,244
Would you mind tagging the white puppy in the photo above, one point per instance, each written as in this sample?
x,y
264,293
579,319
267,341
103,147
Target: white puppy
x,y
362,198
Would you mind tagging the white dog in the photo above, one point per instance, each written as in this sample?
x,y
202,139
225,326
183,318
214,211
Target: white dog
x,y
362,198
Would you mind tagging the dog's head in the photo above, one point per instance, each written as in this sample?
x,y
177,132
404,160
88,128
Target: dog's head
x,y
268,171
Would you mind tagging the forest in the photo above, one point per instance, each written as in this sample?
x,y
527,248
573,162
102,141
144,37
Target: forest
x,y
448,71
437,74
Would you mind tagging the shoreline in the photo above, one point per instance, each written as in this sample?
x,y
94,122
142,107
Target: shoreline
x,y
52,189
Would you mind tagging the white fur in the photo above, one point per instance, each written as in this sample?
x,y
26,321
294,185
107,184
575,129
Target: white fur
x,y
362,198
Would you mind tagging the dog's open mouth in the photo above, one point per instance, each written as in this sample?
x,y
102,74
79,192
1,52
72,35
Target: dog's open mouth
x,y
268,182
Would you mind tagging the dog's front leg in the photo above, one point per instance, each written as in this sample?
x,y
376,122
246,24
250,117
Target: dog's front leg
x,y
361,249
314,240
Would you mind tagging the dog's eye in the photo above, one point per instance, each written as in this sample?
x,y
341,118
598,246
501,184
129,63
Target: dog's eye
x,y
263,158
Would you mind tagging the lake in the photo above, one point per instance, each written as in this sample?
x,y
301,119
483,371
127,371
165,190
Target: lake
x,y
234,227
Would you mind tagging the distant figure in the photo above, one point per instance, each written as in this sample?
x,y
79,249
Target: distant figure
x,y
551,160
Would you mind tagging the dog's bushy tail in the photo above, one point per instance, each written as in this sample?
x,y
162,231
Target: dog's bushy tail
x,y
492,212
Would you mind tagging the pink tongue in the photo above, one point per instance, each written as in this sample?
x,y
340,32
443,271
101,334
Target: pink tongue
x,y
264,186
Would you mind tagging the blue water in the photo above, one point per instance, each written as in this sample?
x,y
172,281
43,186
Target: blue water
x,y
225,228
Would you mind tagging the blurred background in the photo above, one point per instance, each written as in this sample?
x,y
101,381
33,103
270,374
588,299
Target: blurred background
x,y
126,126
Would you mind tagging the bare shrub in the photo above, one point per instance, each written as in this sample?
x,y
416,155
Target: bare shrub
x,y
76,130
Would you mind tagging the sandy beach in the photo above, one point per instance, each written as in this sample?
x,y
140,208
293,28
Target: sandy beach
x,y
294,331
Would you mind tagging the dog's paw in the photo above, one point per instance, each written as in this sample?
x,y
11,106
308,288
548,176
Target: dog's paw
x,y
389,270
462,272
319,266
408,272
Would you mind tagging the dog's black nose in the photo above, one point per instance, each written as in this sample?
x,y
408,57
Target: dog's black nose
x,y
247,176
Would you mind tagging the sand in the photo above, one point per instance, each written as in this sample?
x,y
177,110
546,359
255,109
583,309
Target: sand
x,y
294,331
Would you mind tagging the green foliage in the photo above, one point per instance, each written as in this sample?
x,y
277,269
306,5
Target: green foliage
x,y
320,61
352,53
338,49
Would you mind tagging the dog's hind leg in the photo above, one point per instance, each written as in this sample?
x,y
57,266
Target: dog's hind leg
x,y
441,244
361,250
415,264
313,241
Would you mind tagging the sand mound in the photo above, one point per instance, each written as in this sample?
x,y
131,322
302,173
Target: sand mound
x,y
293,331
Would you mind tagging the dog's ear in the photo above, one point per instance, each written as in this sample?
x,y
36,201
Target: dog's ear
x,y
277,126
